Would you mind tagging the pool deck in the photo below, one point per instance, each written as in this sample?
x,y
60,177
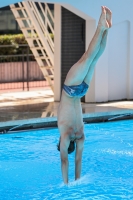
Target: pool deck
x,y
36,109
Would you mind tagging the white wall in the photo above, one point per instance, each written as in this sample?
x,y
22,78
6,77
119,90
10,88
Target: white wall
x,y
130,74
57,52
101,78
113,77
114,71
118,61
90,30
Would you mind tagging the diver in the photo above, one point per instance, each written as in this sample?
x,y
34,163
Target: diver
x,y
70,120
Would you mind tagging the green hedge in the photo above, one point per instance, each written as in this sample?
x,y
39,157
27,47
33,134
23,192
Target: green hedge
x,y
13,40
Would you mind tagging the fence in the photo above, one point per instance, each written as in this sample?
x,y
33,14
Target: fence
x,y
19,71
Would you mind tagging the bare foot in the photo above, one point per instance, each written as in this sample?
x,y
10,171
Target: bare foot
x,y
103,19
108,16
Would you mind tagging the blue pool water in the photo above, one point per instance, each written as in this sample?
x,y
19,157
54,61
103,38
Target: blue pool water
x,y
30,165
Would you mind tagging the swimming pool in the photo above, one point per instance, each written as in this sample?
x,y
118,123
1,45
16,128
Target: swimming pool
x,y
30,164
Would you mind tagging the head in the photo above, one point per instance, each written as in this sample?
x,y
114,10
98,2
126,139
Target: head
x,y
71,147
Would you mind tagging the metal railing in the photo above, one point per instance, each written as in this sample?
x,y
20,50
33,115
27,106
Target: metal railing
x,y
19,70
36,21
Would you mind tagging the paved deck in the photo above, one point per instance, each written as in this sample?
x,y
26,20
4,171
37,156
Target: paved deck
x,y
18,107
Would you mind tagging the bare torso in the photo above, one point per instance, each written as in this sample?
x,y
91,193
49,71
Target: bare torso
x,y
70,116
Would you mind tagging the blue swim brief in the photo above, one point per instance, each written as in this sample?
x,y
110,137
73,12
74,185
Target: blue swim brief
x,y
76,90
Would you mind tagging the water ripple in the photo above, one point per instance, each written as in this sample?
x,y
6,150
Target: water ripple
x,y
30,165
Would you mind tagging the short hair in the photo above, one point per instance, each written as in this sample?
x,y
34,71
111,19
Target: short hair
x,y
71,147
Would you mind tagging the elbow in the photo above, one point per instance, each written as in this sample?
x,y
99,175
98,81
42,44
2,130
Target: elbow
x,y
64,160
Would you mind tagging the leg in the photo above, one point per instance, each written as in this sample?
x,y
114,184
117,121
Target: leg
x,y
79,70
93,64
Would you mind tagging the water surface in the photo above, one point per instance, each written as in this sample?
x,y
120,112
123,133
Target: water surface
x,y
30,165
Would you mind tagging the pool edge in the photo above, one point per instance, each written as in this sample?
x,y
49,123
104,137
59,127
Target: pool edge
x,y
52,121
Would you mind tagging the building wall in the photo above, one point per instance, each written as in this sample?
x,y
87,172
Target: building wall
x,y
8,24
113,75
114,71
118,61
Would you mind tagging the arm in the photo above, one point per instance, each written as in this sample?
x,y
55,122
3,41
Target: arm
x,y
78,158
64,144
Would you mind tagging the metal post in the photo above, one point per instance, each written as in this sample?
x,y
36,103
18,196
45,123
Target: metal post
x,y
23,67
28,68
